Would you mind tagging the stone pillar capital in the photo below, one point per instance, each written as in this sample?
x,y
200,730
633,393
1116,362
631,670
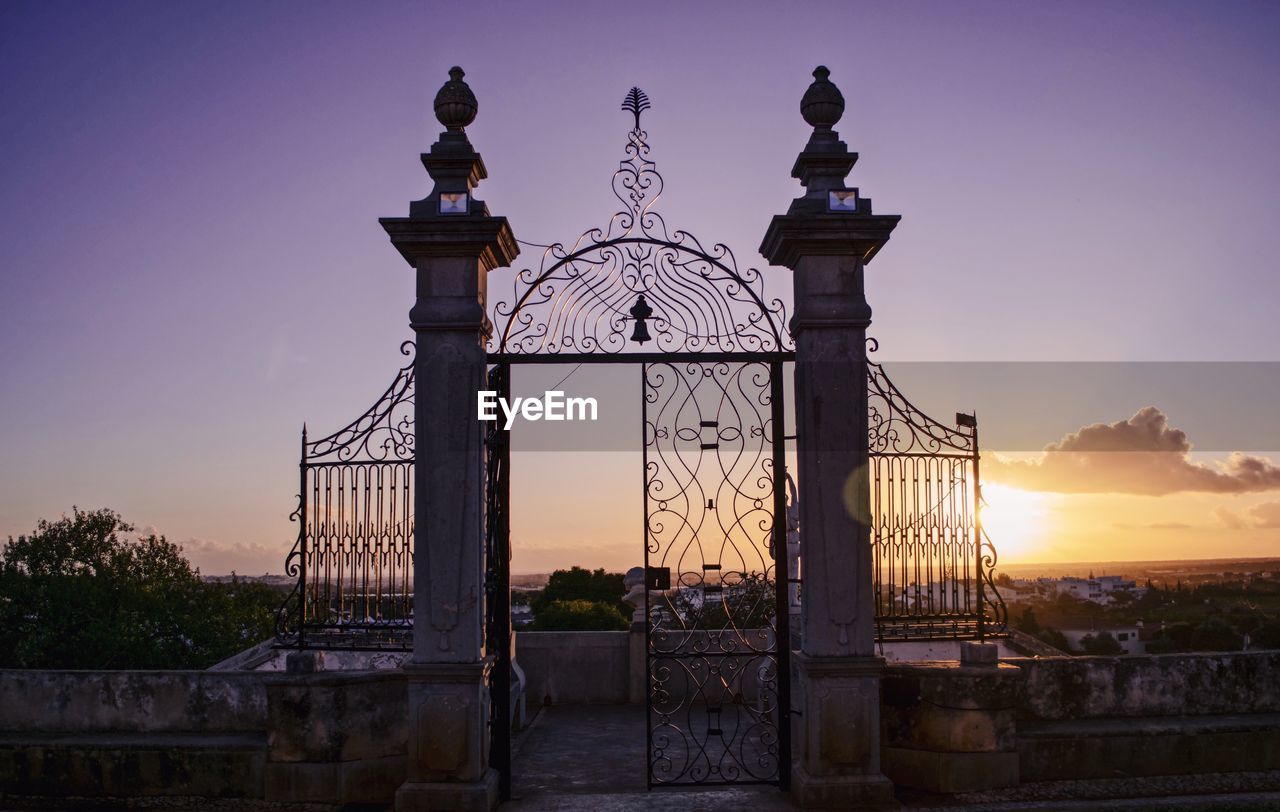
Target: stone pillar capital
x,y
486,239
790,237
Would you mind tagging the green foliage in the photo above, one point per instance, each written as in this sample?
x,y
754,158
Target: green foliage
x,y
578,584
579,615
1027,621
1178,635
1054,638
1102,643
1266,635
1215,635
79,593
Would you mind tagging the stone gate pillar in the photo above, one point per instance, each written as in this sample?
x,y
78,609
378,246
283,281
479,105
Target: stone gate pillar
x,y
452,242
826,238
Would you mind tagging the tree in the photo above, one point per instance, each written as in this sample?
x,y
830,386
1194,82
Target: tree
x,y
1102,643
1122,599
578,584
1027,621
1215,635
1266,635
80,593
1173,637
1054,638
579,615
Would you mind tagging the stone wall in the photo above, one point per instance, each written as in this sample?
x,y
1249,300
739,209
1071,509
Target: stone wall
x,y
1172,714
567,668
583,668
330,737
1150,685
953,729
339,737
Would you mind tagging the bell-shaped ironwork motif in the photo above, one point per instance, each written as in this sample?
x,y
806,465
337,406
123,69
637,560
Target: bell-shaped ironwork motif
x,y
640,311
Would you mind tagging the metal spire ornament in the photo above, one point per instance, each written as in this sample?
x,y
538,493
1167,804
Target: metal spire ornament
x,y
635,103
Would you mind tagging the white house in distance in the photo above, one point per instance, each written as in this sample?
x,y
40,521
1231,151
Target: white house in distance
x,y
1100,589
1127,636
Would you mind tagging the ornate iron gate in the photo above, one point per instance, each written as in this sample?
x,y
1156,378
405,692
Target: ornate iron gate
x,y
712,345
716,621
353,556
932,561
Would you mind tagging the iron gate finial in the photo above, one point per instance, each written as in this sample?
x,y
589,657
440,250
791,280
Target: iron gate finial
x,y
635,103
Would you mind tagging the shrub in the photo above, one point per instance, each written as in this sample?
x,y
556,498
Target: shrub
x,y
579,615
1266,635
1102,643
1214,635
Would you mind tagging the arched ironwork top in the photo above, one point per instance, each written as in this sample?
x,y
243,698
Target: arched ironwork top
x,y
896,426
586,297
384,433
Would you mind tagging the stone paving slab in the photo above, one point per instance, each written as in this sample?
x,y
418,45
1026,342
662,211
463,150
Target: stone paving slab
x,y
593,757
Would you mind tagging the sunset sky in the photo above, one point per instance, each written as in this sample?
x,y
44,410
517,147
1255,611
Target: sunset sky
x,y
190,263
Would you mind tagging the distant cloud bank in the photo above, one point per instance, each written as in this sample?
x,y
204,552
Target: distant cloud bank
x,y
1143,455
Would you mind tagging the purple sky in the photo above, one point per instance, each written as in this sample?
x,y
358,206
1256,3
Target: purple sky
x,y
190,263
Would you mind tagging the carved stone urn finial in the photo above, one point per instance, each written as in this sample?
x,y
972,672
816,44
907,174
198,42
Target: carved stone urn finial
x,y
455,103
822,104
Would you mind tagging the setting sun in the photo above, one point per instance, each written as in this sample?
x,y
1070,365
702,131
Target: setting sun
x,y
1015,519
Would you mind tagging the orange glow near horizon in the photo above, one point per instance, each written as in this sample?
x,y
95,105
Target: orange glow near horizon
x,y
1017,521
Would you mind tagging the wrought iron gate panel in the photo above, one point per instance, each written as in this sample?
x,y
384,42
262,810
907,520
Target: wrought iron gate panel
x,y
717,699
932,562
353,557
497,585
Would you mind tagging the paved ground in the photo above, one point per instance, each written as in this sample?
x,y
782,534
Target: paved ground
x,y
592,757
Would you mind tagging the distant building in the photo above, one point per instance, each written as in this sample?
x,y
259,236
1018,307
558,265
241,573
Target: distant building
x,y
1129,637
1101,589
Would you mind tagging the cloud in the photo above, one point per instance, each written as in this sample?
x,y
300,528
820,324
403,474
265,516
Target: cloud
x,y
1230,519
1142,455
221,558
1266,515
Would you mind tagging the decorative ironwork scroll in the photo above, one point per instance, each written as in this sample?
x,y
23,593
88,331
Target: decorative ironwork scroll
x,y
712,479
932,562
353,557
579,299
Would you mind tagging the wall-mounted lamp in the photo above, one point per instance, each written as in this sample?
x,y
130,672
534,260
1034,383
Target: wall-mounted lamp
x,y
453,202
843,200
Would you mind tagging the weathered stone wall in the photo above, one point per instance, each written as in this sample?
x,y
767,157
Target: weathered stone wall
x,y
131,701
950,728
955,729
1137,716
575,667
337,737
580,667
1150,685
329,737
